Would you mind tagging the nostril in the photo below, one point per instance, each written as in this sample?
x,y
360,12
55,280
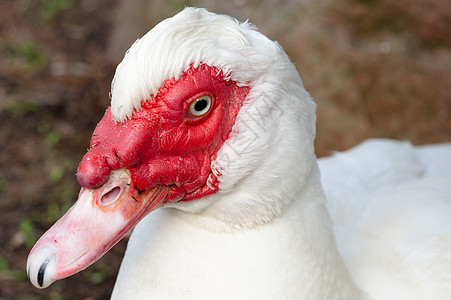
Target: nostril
x,y
110,196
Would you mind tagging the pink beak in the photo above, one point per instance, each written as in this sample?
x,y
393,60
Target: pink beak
x,y
92,226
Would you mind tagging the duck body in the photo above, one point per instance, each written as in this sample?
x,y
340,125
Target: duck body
x,y
208,148
390,206
283,259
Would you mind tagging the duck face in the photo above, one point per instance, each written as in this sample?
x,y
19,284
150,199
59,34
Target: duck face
x,y
172,140
162,154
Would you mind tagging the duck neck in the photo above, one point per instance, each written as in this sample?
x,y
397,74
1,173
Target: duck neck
x,y
322,266
270,193
299,241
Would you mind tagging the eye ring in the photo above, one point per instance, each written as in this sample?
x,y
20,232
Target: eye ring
x,y
201,106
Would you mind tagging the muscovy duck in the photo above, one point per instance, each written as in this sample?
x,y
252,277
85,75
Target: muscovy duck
x,y
211,129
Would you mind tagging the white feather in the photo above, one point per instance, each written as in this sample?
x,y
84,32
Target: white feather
x,y
267,234
390,203
169,49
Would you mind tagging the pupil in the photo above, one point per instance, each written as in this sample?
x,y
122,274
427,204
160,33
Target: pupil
x,y
200,105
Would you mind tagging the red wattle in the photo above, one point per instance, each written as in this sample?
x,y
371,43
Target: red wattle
x,y
159,145
92,171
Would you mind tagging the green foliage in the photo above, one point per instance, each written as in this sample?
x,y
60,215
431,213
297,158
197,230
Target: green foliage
x,y
51,8
98,277
25,57
56,173
43,126
97,273
68,193
19,275
54,295
54,212
52,138
4,264
22,108
31,53
26,226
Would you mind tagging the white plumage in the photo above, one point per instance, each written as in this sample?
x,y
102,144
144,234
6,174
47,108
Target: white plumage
x,y
266,233
384,231
390,205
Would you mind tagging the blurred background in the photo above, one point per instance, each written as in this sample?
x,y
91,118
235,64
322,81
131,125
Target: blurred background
x,y
376,69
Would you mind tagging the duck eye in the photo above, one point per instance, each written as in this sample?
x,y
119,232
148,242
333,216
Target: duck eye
x,y
200,107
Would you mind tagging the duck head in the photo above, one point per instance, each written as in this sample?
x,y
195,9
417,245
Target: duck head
x,y
207,116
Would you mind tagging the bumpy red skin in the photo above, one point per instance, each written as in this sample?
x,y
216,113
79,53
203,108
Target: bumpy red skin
x,y
162,144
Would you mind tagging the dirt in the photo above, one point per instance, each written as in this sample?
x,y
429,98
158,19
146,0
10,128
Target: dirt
x,y
54,84
57,58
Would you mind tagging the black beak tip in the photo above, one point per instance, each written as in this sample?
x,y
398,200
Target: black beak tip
x,y
41,272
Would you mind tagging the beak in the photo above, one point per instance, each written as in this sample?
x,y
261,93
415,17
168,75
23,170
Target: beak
x,y
92,226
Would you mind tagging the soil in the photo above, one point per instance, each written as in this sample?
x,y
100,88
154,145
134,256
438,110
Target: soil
x,y
54,84
56,65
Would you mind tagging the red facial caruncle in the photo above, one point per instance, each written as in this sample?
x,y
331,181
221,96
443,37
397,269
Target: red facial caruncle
x,y
161,154
172,139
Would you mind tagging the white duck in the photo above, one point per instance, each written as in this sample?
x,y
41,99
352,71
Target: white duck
x,y
210,119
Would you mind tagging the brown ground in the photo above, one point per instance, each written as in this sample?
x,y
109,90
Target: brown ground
x,y
376,69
